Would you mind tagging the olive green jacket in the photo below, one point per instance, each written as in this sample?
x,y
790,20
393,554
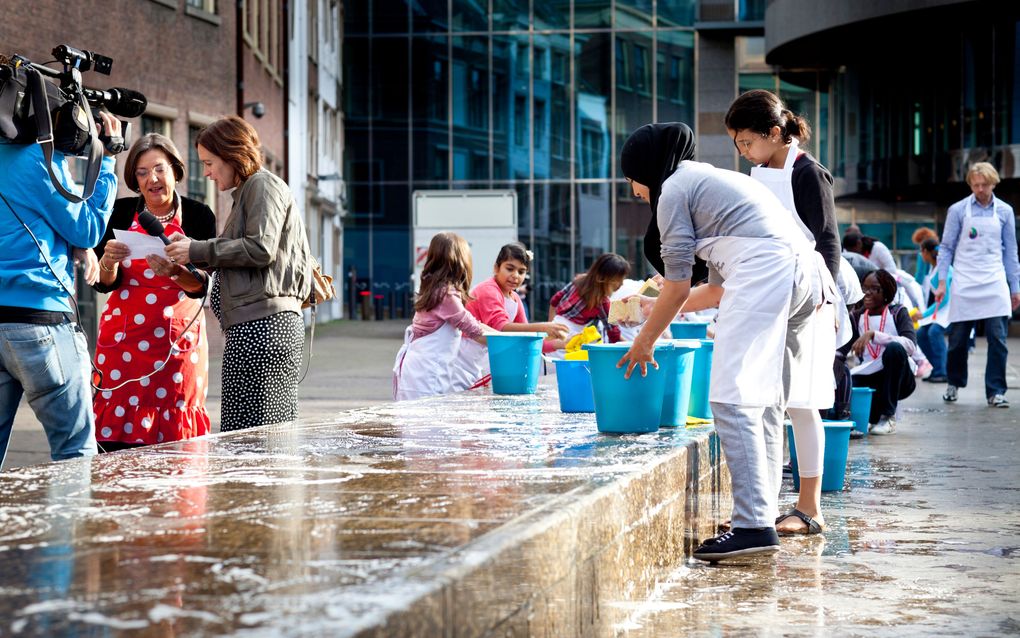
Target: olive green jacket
x,y
262,254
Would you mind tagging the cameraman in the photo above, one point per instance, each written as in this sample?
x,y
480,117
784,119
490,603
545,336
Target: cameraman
x,y
43,352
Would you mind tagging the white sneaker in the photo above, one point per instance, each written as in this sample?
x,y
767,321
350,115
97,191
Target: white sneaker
x,y
950,395
998,401
885,425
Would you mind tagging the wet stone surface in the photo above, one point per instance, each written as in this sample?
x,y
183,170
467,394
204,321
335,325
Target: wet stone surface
x,y
925,541
465,514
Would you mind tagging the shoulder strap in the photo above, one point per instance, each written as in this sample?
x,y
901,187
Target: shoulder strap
x,y
44,132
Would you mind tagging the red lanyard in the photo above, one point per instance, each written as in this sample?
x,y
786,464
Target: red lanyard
x,y
874,350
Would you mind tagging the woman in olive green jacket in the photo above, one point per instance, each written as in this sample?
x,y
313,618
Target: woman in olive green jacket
x,y
263,274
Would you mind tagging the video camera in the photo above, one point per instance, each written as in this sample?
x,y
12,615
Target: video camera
x,y
60,115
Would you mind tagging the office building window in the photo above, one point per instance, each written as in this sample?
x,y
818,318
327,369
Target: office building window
x,y
149,124
198,185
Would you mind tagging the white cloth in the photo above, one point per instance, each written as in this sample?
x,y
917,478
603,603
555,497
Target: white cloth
x,y
941,314
980,290
813,385
422,366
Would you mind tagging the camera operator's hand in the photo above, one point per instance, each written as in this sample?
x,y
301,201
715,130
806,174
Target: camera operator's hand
x,y
110,127
89,263
178,249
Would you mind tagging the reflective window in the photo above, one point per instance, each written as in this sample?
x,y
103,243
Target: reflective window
x,y
507,94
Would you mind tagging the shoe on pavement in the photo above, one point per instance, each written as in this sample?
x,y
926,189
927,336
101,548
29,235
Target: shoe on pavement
x,y
923,369
885,425
941,378
739,542
950,394
998,401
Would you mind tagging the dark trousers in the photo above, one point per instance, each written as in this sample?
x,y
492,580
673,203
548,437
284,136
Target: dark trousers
x,y
995,366
893,383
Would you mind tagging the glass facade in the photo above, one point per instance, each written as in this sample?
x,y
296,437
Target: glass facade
x,y
510,94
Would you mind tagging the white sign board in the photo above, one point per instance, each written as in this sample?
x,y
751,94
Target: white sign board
x,y
487,219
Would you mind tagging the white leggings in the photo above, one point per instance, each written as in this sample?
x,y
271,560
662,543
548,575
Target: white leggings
x,y
809,436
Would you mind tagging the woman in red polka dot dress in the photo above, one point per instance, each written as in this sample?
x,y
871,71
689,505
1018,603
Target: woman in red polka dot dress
x,y
154,366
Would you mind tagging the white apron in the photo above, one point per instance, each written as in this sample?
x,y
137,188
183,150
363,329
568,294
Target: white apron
x,y
422,366
980,290
813,385
470,367
750,330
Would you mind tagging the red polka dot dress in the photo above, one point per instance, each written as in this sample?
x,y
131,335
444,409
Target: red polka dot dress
x,y
154,367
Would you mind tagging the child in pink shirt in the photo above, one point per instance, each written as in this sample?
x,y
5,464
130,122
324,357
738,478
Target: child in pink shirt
x,y
432,341
497,305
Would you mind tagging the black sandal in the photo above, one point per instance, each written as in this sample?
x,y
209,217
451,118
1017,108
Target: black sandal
x,y
813,527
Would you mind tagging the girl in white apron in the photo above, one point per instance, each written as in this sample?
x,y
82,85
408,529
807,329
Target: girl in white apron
x,y
497,305
431,342
760,273
768,135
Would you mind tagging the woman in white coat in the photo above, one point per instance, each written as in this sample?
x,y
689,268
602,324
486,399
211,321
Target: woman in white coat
x,y
760,268
768,135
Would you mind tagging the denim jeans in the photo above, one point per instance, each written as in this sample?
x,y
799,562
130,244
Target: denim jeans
x,y
50,365
995,366
932,340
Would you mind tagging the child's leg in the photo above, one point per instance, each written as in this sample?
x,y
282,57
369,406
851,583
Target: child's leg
x,y
809,436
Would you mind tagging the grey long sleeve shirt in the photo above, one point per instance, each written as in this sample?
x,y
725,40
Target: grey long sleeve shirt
x,y
700,201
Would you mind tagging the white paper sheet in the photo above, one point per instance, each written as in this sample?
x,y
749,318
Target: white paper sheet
x,y
139,244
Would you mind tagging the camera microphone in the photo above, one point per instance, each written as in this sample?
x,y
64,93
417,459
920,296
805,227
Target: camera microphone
x,y
119,101
151,225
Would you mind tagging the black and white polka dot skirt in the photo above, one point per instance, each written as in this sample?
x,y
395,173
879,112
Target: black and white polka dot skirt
x,y
261,369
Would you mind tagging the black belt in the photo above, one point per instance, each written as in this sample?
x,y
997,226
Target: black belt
x,y
14,314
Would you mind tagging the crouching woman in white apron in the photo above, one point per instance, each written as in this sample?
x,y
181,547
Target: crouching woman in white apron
x,y
431,342
760,272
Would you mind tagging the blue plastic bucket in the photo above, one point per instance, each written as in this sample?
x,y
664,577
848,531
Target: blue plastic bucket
x,y
701,380
860,408
689,329
678,365
625,406
515,360
837,449
573,382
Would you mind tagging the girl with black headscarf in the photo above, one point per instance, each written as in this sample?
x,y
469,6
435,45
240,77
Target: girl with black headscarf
x,y
758,275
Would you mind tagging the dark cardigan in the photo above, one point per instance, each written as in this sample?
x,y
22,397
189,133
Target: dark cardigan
x,y
812,195
197,220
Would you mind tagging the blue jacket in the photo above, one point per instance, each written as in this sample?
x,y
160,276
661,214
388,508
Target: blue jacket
x,y
58,225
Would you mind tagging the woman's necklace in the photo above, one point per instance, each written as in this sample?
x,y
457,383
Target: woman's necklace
x,y
875,350
163,219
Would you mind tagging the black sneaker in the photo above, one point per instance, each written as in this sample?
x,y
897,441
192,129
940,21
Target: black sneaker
x,y
739,542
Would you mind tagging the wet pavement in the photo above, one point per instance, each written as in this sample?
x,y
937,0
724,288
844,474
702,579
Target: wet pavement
x,y
925,541
486,516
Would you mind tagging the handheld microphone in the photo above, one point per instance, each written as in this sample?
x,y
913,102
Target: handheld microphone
x,y
151,225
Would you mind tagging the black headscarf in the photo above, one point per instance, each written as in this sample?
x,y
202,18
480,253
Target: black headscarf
x,y
649,157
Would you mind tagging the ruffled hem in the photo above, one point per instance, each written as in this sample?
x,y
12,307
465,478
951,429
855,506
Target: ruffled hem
x,y
147,425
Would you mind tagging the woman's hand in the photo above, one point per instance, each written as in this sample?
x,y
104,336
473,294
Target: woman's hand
x,y
640,354
862,343
114,253
160,266
178,251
